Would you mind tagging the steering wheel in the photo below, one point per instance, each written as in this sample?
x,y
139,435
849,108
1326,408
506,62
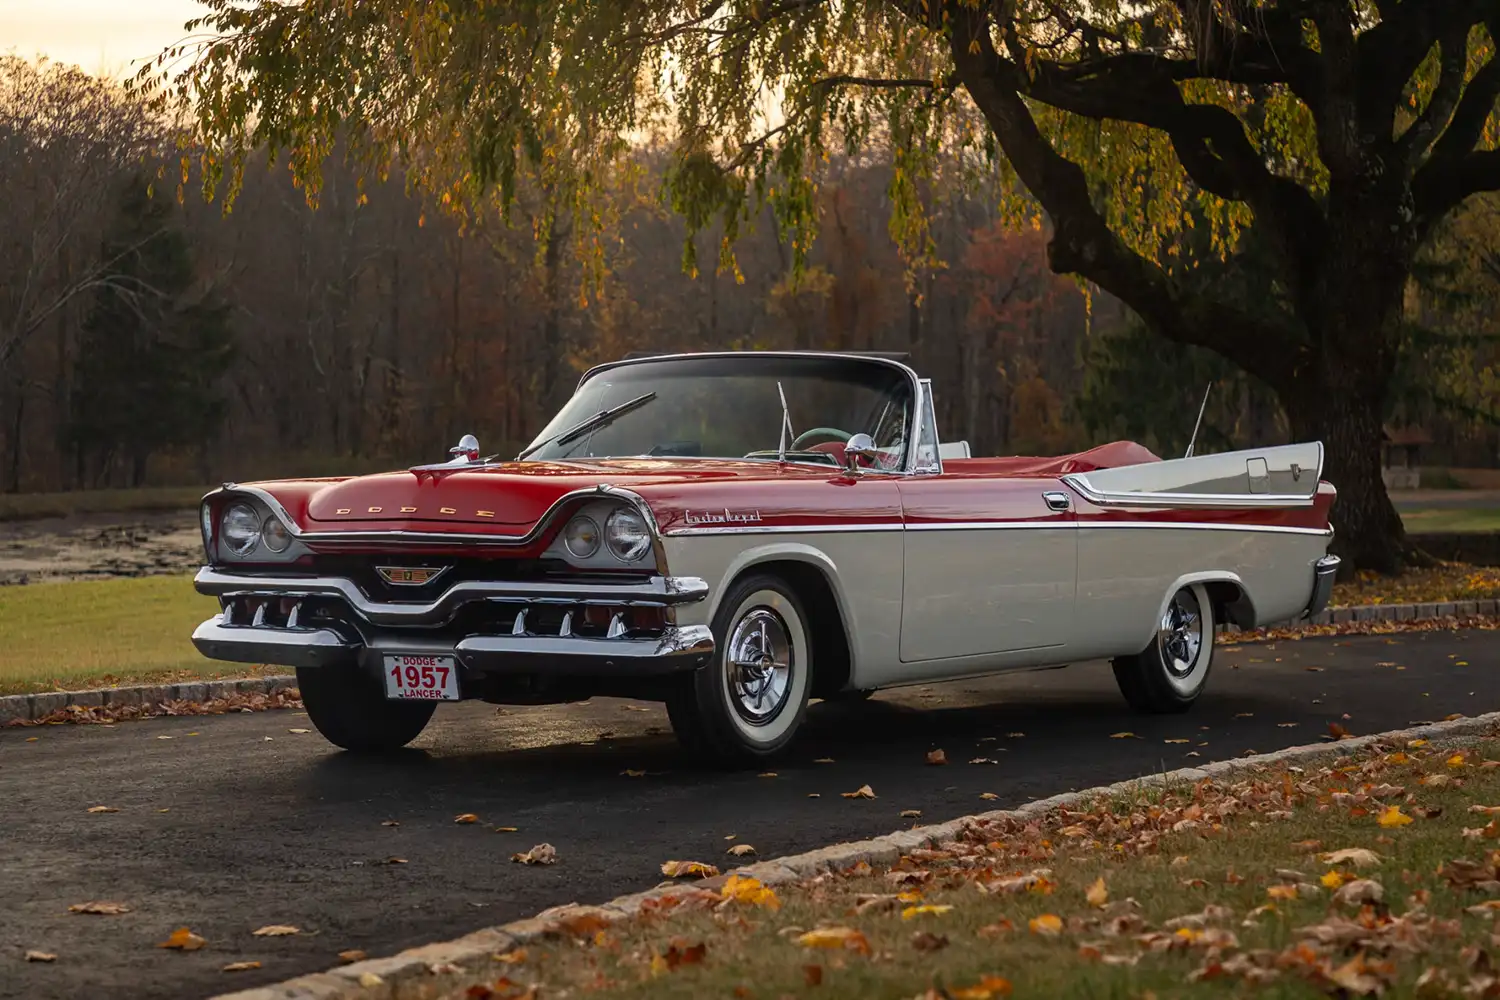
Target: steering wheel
x,y
832,433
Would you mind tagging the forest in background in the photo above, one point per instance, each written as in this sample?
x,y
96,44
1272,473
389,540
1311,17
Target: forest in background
x,y
147,338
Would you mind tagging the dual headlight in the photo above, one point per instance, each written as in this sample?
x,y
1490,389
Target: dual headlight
x,y
242,528
625,535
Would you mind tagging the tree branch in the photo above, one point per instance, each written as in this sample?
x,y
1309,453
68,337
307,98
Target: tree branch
x,y
1082,242
1454,56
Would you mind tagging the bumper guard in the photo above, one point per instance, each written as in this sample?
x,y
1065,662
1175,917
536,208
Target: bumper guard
x,y
1324,570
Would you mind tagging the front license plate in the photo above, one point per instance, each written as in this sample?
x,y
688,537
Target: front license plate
x,y
421,678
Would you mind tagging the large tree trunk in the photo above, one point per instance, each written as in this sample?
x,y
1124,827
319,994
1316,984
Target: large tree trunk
x,y
1368,531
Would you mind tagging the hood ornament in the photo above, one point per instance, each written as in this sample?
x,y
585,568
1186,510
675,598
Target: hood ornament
x,y
465,453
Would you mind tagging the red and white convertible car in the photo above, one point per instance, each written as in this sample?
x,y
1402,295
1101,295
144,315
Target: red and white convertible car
x,y
736,533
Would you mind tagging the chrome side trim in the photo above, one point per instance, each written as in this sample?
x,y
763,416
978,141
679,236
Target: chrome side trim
x,y
808,529
659,591
681,648
1210,500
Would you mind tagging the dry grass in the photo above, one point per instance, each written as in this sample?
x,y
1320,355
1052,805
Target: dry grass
x,y
101,632
29,506
1203,890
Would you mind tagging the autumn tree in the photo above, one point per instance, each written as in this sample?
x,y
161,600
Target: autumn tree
x,y
1340,132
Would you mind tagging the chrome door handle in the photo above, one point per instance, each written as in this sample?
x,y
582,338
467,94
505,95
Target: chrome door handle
x,y
1057,501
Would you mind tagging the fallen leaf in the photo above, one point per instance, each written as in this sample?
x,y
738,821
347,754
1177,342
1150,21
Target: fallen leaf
x,y
911,814
812,975
369,980
937,757
766,774
928,941
100,908
541,854
299,732
507,829
1174,741
352,955
183,939
1392,816
1097,893
276,930
740,850
401,861
1359,857
1287,725
988,988
862,792
835,937
1337,731
1048,925
1282,892
926,909
823,760
631,772
989,796
513,957
466,818
103,809
1243,715
1359,892
390,822
40,956
1123,736
743,889
240,967
682,869
1332,879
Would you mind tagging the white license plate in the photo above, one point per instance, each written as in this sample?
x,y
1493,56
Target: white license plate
x,y
412,677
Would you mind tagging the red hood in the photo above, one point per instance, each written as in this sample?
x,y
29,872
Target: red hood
x,y
512,496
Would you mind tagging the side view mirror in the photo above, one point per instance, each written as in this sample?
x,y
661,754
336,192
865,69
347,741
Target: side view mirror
x,y
860,446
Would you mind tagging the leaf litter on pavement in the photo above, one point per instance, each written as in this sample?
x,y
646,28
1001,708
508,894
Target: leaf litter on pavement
x,y
1350,877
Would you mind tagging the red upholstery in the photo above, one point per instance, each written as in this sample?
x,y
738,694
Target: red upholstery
x,y
1105,456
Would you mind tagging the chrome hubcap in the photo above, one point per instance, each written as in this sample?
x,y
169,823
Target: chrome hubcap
x,y
1180,633
760,664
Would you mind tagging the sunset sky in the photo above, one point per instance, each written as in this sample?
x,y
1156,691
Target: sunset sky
x,y
98,35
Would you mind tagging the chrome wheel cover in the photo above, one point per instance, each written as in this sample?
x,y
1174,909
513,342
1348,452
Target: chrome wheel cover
x,y
760,661
1179,634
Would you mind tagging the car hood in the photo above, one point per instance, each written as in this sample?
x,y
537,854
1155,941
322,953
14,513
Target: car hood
x,y
513,496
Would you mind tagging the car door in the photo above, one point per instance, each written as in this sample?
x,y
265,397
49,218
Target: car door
x,y
990,568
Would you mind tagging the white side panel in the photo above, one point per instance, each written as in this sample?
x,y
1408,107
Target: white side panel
x,y
863,567
972,591
1269,477
1125,573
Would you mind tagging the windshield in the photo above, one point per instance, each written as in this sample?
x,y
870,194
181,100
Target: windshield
x,y
730,407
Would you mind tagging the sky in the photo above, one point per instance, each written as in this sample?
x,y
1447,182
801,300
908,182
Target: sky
x,y
100,36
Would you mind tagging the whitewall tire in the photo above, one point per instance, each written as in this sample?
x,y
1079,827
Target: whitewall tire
x,y
1170,673
746,704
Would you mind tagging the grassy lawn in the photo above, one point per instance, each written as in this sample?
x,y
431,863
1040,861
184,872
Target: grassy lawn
x,y
1442,519
100,632
26,506
1363,880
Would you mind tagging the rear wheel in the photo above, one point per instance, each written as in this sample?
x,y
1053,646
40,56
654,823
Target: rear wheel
x,y
1169,675
746,703
350,710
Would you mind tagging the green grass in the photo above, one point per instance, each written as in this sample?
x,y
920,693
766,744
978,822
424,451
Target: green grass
x,y
29,506
1452,519
96,633
1230,843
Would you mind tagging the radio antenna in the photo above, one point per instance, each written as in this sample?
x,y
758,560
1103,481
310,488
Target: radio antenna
x,y
1199,422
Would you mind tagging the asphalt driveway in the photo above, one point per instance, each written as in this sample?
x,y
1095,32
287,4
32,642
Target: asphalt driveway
x,y
231,823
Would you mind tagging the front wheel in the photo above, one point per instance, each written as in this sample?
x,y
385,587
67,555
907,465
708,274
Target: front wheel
x,y
1169,675
350,710
745,704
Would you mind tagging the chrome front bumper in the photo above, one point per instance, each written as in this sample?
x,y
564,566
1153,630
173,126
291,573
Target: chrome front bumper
x,y
1324,570
677,648
382,628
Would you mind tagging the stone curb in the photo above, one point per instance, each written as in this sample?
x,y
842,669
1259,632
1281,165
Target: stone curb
x,y
1391,613
443,968
30,707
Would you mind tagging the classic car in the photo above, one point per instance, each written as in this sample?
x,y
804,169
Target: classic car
x,y
736,533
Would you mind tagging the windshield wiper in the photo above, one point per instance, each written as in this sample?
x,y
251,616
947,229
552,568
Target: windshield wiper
x,y
589,424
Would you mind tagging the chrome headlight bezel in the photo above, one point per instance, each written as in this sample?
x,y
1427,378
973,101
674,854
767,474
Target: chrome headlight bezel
x,y
239,520
627,535
586,546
